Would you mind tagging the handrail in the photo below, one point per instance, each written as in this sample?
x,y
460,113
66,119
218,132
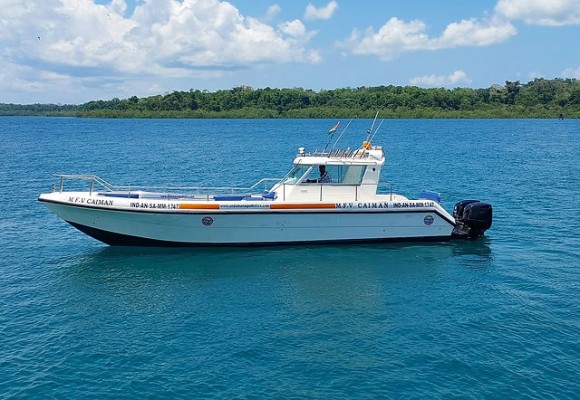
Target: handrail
x,y
387,185
187,191
94,179
339,153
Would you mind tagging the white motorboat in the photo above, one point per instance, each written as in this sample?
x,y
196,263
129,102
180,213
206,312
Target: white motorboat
x,y
326,197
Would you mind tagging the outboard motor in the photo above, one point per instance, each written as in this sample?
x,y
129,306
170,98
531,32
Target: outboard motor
x,y
472,218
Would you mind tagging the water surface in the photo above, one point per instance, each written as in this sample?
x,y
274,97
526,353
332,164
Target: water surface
x,y
494,318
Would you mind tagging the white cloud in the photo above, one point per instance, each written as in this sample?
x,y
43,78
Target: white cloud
x,y
164,38
397,36
296,29
475,33
210,33
312,13
13,78
455,78
573,73
273,11
293,28
541,12
393,38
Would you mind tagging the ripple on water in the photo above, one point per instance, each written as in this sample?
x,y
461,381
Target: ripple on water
x,y
493,318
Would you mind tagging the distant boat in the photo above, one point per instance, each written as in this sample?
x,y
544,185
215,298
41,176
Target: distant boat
x,y
347,203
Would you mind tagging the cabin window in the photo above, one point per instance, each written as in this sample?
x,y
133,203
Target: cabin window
x,y
296,174
351,174
337,174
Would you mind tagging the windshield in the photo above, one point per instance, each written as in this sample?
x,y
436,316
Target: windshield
x,y
336,174
296,173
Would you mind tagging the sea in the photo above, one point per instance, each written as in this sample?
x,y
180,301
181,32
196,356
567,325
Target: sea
x,y
494,318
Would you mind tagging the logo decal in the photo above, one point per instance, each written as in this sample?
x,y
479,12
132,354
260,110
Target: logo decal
x,y
428,220
207,221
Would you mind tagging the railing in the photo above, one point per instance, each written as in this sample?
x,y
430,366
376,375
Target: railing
x,y
96,183
385,188
340,153
323,191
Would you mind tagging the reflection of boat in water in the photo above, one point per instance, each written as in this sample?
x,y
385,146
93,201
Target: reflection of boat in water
x,y
479,248
328,196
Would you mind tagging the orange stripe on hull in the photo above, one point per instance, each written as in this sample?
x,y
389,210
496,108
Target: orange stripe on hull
x,y
194,206
301,206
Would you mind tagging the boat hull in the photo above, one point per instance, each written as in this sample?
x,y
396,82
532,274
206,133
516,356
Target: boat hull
x,y
253,227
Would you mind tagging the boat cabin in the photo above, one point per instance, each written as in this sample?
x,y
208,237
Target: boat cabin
x,y
343,175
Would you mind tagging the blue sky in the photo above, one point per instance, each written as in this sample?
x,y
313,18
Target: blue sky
x,y
73,51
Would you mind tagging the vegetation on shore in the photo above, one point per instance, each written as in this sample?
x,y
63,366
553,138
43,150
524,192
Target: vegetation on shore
x,y
540,98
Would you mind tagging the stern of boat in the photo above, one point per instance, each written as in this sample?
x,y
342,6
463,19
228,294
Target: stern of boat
x,y
472,219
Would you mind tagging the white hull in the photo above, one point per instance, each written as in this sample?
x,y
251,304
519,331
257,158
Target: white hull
x,y
164,223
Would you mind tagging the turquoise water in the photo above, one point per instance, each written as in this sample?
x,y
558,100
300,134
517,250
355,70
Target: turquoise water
x,y
494,318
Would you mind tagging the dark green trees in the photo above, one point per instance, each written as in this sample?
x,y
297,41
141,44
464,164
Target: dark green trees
x,y
539,98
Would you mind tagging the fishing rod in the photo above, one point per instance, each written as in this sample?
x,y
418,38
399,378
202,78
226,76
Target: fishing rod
x,y
379,127
342,133
372,126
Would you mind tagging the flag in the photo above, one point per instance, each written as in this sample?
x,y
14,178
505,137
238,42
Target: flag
x,y
334,128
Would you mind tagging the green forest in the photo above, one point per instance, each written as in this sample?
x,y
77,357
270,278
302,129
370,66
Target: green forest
x,y
540,98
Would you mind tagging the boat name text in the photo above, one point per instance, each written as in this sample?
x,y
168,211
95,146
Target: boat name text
x,y
90,201
402,204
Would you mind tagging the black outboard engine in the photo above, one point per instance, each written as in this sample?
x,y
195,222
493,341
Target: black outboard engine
x,y
472,218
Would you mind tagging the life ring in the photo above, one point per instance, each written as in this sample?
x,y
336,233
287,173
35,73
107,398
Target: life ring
x,y
367,145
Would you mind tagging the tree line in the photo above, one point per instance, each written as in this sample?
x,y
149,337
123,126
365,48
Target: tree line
x,y
540,98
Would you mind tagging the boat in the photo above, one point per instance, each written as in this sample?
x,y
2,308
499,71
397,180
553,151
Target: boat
x,y
328,196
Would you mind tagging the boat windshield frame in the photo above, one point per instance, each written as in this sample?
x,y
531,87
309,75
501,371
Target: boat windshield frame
x,y
304,174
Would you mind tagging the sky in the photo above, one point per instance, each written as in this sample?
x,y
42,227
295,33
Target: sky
x,y
74,51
